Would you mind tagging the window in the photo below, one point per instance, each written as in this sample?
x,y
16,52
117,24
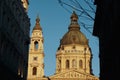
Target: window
x,y
80,64
62,47
34,70
67,64
59,64
35,58
36,45
74,63
73,47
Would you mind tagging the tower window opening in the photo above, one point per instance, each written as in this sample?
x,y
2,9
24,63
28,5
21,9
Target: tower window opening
x,y
59,63
74,63
62,47
67,64
80,64
36,45
35,58
73,47
34,71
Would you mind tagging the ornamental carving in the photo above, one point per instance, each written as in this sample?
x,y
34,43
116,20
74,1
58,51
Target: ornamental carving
x,y
74,74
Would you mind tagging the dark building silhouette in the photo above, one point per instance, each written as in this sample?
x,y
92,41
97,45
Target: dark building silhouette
x,y
14,39
107,22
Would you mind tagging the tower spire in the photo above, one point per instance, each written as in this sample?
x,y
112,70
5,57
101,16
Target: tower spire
x,y
37,25
74,22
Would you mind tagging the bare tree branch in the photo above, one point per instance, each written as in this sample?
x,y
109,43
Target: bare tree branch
x,y
84,8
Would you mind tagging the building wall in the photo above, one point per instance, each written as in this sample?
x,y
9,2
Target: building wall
x,y
14,39
73,57
25,4
69,53
106,27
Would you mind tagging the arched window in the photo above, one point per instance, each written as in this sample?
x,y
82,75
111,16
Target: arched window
x,y
80,64
67,64
74,63
89,63
59,63
36,45
34,70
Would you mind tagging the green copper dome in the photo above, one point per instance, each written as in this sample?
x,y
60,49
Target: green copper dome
x,y
74,35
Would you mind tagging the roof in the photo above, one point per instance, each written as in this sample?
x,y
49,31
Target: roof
x,y
74,35
37,25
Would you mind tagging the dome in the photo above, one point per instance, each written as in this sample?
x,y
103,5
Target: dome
x,y
74,35
37,25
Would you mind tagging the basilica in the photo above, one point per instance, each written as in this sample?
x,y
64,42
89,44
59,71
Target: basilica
x,y
73,57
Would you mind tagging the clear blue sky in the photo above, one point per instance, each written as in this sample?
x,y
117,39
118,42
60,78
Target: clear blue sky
x,y
54,21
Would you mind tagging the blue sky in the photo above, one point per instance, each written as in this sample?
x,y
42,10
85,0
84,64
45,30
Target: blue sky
x,y
54,21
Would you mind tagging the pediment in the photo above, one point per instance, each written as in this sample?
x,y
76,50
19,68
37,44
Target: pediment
x,y
74,74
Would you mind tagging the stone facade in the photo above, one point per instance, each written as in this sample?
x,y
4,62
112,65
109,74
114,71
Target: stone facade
x,y
25,4
14,40
36,53
73,57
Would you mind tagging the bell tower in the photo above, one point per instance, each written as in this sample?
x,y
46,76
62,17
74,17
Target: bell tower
x,y
36,53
